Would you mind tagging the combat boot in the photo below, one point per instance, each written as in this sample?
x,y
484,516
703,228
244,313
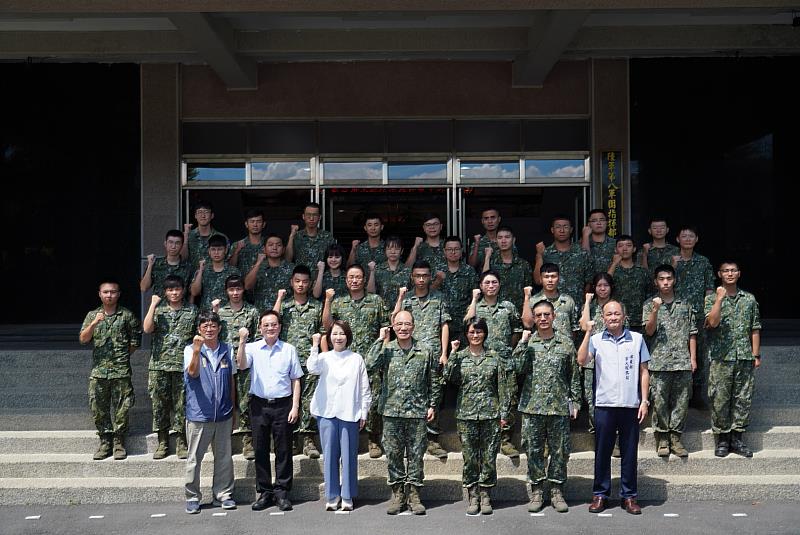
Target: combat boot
x,y
104,449
436,449
557,499
675,445
119,448
247,447
662,444
163,444
181,449
722,445
738,445
414,503
374,447
398,502
537,498
486,503
506,447
474,506
309,448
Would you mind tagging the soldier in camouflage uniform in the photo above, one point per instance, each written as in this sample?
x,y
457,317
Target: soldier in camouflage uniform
x,y
158,268
195,241
431,318
209,281
551,383
388,277
733,321
632,283
366,314
173,325
694,280
266,278
490,219
566,319
234,315
514,272
430,249
657,252
505,328
307,247
301,317
671,334
330,273
482,406
245,251
114,332
372,250
574,264
410,391
595,241
459,281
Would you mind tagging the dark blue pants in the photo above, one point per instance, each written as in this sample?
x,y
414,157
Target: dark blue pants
x,y
607,422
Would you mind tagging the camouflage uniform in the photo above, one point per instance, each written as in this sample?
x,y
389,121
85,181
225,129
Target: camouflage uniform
x,y
110,387
161,269
412,384
457,288
731,379
631,287
574,268
365,254
430,315
198,246
566,320
269,280
433,255
214,285
587,372
298,323
481,403
602,253
339,284
365,316
670,363
232,321
513,278
308,250
483,243
657,256
248,255
388,283
174,330
693,279
551,380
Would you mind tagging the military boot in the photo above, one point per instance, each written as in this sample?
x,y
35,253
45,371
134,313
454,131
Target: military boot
x,y
537,498
436,449
474,506
104,449
163,444
398,502
247,447
662,444
506,447
557,499
697,401
738,445
181,449
722,445
486,502
414,503
374,447
675,445
309,448
119,448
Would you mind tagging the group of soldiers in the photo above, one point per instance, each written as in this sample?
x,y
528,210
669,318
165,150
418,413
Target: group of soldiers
x,y
448,294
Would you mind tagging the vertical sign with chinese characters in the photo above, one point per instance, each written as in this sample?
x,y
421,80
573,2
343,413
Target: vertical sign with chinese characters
x,y
611,172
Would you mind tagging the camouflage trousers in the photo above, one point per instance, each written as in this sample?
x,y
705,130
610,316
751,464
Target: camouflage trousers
x,y
730,391
168,400
587,379
701,373
374,419
480,442
513,398
434,427
669,394
243,398
405,442
307,424
550,431
110,400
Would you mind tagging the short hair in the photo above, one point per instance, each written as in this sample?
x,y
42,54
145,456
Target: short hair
x,y
488,272
348,332
273,235
656,219
549,267
203,204
269,313
206,316
505,228
108,280
479,324
664,268
372,215
612,300
453,239
173,281
728,261
421,264
174,233
626,237
690,228
430,215
393,240
358,267
254,212
603,276
560,217
217,240
234,281
490,208
301,270
312,204
334,249
596,211
543,302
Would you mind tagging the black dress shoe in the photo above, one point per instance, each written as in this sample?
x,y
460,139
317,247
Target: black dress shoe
x,y
283,504
263,501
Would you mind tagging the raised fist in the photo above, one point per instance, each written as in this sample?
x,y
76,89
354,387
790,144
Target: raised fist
x,y
675,260
384,333
616,259
239,245
487,251
320,266
454,346
417,241
477,238
589,297
647,247
476,294
402,292
587,231
371,265
315,338
261,258
151,258
527,291
657,302
526,335
294,229
355,243
201,265
243,333
439,276
721,292
281,293
99,317
540,248
215,304
197,342
330,293
155,300
187,227
590,325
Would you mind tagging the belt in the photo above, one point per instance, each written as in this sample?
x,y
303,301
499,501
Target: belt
x,y
270,401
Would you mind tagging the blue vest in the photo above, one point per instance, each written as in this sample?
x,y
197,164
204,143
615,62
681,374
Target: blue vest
x,y
208,396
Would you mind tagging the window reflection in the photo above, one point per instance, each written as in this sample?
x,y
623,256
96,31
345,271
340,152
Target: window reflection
x,y
411,171
264,171
353,170
217,172
555,169
490,170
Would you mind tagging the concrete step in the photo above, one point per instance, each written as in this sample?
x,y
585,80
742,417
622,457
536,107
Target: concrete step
x,y
68,418
55,359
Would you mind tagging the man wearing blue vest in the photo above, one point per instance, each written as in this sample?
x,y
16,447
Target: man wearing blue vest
x,y
208,373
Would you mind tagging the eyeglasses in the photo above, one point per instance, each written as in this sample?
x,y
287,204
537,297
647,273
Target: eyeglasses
x,y
431,225
202,212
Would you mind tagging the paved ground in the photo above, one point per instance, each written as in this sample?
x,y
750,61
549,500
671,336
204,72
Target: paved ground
x,y
684,518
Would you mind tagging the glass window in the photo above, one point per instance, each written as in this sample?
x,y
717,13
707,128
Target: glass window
x,y
490,170
280,171
555,169
357,171
418,171
216,172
